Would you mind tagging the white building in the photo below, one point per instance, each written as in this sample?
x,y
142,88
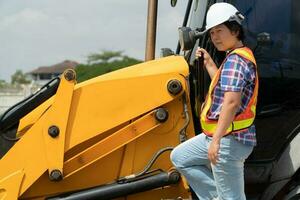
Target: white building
x,y
43,74
10,96
39,77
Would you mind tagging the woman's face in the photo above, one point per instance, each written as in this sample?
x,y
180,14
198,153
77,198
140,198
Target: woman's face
x,y
223,38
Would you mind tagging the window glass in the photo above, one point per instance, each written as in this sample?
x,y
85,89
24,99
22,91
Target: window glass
x,y
279,70
197,14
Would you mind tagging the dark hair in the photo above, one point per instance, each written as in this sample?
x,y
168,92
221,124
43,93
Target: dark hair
x,y
233,26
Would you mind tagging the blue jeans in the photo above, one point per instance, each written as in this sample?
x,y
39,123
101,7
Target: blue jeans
x,y
224,180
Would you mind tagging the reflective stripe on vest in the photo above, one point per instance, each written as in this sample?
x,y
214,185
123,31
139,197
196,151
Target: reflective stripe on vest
x,y
244,119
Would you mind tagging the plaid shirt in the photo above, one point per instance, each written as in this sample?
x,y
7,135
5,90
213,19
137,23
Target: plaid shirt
x,y
238,74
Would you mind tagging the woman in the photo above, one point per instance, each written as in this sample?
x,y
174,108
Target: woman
x,y
213,162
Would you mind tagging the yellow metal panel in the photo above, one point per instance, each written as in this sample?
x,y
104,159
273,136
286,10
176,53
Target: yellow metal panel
x,y
87,143
121,95
10,185
29,154
128,159
99,106
101,172
127,134
107,169
27,121
166,65
166,136
58,116
119,100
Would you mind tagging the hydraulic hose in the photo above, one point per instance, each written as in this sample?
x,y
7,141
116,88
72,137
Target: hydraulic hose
x,y
148,166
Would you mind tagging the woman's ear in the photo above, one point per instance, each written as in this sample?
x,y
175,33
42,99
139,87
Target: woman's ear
x,y
235,33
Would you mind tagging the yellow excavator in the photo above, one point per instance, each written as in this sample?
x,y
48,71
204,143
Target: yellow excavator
x,y
105,138
110,137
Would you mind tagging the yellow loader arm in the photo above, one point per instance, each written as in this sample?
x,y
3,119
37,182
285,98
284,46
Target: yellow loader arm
x,y
100,136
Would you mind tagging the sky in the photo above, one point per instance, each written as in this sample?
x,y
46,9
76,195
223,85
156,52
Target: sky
x,y
36,33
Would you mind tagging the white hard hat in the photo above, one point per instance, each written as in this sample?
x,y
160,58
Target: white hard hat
x,y
222,12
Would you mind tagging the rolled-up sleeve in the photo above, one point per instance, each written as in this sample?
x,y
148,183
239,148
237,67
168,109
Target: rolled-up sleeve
x,y
232,76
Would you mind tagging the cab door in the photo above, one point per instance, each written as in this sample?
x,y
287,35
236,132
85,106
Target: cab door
x,y
273,33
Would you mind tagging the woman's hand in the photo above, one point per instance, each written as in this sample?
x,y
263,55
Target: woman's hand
x,y
206,57
213,151
208,62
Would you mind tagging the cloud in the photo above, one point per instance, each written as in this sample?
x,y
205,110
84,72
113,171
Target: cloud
x,y
25,17
35,33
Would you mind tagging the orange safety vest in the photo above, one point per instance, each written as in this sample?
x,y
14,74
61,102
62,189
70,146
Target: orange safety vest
x,y
244,119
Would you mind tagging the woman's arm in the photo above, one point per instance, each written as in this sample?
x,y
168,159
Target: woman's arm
x,y
232,101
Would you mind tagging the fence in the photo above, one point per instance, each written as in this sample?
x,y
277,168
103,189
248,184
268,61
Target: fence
x,y
11,96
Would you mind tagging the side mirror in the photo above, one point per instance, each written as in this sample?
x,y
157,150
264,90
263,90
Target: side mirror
x,y
164,52
188,37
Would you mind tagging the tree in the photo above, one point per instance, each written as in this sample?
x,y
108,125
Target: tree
x,y
101,63
103,57
2,83
19,78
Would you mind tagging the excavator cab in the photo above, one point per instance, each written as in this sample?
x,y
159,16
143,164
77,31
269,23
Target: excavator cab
x,y
110,137
272,32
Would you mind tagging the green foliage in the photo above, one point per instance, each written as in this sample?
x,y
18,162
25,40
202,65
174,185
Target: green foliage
x,y
107,61
103,57
2,83
19,78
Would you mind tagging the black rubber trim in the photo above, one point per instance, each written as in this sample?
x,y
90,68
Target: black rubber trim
x,y
116,190
13,115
